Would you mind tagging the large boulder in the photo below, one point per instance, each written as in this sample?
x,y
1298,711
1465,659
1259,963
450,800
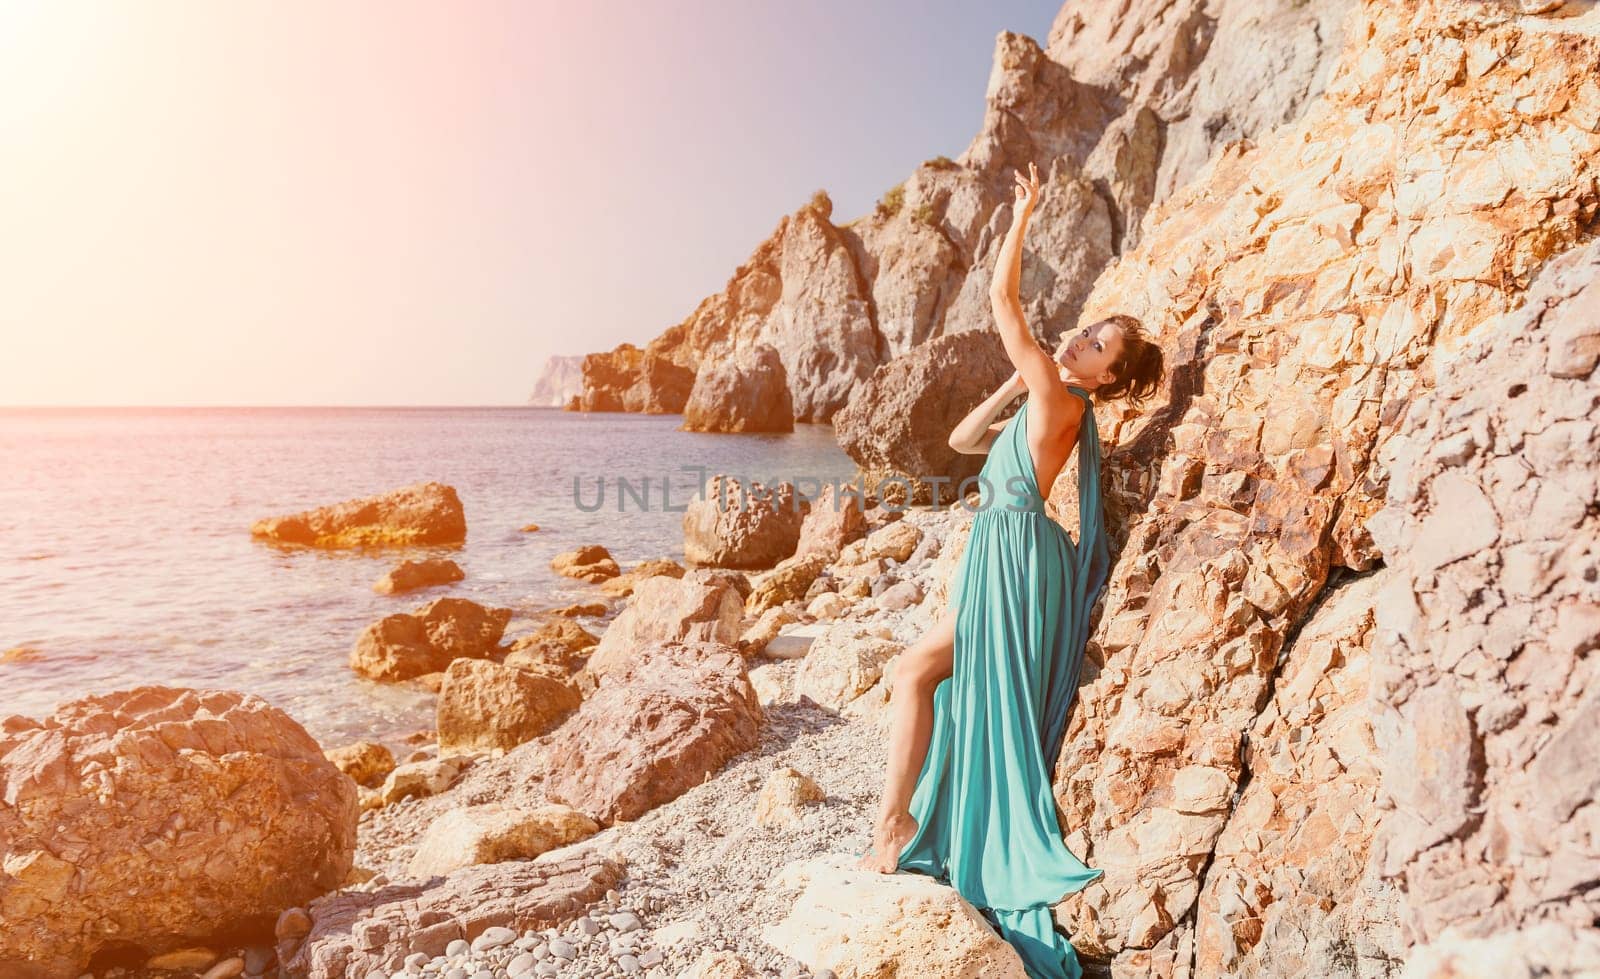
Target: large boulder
x,y
862,923
735,524
423,513
664,608
154,818
484,705
836,518
407,645
844,662
897,425
412,575
367,762
1487,672
749,393
591,563
661,723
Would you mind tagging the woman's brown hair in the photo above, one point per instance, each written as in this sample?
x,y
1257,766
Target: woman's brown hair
x,y
1139,366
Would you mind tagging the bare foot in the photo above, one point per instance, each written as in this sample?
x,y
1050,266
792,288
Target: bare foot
x,y
889,837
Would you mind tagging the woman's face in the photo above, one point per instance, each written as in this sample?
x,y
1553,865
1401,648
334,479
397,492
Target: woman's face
x,y
1089,353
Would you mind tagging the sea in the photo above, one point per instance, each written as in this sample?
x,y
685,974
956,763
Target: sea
x,y
126,556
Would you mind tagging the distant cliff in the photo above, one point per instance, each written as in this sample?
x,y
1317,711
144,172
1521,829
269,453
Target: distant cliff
x,y
559,382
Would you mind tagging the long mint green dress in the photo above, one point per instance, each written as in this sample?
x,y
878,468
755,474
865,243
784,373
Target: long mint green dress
x,y
1022,593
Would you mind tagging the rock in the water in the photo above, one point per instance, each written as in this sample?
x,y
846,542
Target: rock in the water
x,y
485,705
591,563
622,586
630,379
411,575
749,393
493,833
863,923
166,812
423,513
742,525
661,723
409,644
664,608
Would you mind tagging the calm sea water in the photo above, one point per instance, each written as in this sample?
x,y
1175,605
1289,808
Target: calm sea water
x,y
126,556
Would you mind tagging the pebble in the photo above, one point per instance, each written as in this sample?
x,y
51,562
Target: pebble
x,y
626,921
493,938
563,949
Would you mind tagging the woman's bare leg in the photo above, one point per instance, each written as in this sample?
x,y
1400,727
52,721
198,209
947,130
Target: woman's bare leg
x,y
917,673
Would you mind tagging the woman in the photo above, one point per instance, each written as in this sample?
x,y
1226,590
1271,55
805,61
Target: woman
x,y
979,704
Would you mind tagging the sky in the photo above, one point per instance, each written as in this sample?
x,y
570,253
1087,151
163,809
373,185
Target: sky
x,y
343,202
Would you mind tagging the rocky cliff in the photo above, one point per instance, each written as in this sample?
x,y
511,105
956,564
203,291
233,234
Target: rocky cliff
x,y
1116,120
1311,287
559,382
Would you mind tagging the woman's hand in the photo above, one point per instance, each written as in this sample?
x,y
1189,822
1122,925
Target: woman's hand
x,y
1025,194
1014,385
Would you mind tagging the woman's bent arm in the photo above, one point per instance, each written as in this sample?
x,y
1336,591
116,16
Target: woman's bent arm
x,y
973,433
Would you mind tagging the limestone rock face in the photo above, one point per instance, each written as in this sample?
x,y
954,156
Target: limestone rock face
x,y
411,575
1306,288
1486,675
484,705
1289,891
663,722
897,426
919,927
749,393
160,816
742,524
409,644
423,513
354,933
664,608
1195,76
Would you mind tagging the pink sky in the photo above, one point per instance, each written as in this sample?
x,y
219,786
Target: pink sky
x,y
416,203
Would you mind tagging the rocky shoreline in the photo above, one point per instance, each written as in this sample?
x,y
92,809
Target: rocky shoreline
x,y
1341,690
